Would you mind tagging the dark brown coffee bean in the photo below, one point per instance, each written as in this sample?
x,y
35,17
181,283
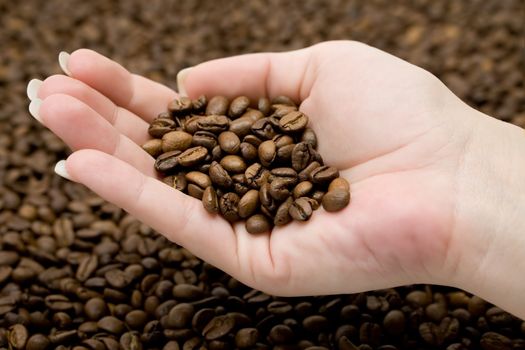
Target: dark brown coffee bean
x,y
180,315
167,161
302,189
8,258
281,334
301,209
233,164
293,122
180,106
310,137
495,341
229,142
241,126
200,179
219,176
195,191
263,128
161,126
136,319
304,175
246,338
38,342
95,308
210,201
117,278
431,333
267,152
217,105
258,223
324,174
248,151
302,155
191,156
176,141
111,324
339,183
279,189
171,345
130,341
282,216
256,175
238,106
204,139
218,327
17,336
315,323
228,205
284,153
264,196
336,200
153,147
213,123
394,322
436,311
248,203
191,125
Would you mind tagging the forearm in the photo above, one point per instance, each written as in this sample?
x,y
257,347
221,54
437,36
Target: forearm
x,y
491,209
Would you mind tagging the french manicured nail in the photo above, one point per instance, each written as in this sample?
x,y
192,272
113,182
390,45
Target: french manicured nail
x,y
32,88
63,60
34,108
181,80
60,169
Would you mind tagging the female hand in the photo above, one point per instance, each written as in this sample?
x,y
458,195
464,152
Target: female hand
x,y
397,134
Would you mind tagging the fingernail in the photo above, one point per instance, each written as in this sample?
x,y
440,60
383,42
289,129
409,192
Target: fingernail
x,y
34,109
63,59
60,169
32,88
181,80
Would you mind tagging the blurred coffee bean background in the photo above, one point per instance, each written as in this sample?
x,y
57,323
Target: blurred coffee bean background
x,y
79,273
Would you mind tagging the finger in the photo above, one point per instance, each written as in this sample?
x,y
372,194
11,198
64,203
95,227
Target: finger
x,y
180,217
255,75
123,120
139,95
81,127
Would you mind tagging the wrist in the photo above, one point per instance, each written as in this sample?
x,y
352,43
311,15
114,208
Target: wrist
x,y
489,235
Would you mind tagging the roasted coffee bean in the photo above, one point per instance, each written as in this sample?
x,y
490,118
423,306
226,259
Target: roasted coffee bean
x,y
302,189
229,142
153,147
284,153
200,179
279,188
180,106
263,129
228,205
38,342
256,175
192,156
111,324
246,338
213,123
241,126
161,126
282,216
293,122
248,203
238,106
167,161
336,200
495,341
17,336
258,223
267,152
95,308
281,334
310,137
324,174
204,139
303,154
394,322
217,105
218,327
248,151
210,201
219,176
176,141
300,209
339,183
136,319
233,164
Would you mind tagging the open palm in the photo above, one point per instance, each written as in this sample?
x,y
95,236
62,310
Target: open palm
x,y
391,128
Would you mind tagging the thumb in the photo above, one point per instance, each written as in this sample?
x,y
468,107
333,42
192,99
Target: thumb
x,y
252,75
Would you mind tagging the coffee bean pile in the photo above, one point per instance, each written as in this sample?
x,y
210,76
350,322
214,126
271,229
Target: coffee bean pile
x,y
258,164
60,245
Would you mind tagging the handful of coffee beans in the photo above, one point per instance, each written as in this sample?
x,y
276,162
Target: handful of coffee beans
x,y
258,164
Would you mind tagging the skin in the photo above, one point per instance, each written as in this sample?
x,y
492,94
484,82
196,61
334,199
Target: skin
x,y
437,187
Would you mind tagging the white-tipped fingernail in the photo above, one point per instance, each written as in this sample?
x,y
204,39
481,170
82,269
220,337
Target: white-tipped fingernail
x,y
63,60
60,169
32,88
34,109
181,80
